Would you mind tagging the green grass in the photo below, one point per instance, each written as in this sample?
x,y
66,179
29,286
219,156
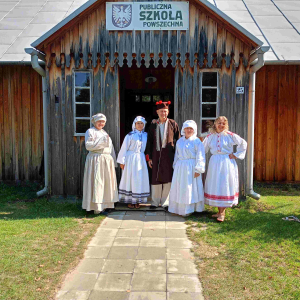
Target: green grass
x,y
40,241
254,254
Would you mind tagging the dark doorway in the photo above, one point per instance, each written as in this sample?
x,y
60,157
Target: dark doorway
x,y
137,97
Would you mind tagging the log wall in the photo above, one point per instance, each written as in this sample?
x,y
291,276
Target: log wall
x,y
188,82
277,124
84,44
67,152
21,123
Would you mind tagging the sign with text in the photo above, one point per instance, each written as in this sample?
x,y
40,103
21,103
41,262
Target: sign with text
x,y
240,90
147,15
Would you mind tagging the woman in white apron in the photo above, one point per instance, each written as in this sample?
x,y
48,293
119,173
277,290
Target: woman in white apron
x,y
222,180
99,183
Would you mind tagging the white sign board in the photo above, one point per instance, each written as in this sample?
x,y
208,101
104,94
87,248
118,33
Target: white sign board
x,y
240,90
147,15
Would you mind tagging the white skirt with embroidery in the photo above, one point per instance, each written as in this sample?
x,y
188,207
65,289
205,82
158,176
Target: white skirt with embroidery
x,y
186,194
99,183
134,186
222,182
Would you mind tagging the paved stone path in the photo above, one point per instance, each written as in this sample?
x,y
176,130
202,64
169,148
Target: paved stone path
x,y
136,255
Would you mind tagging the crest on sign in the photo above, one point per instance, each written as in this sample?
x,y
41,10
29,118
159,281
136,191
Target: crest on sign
x,y
121,15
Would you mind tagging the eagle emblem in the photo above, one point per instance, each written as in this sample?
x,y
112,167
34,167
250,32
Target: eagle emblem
x,y
121,15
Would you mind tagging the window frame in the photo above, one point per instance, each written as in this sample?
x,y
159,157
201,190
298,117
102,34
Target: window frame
x,y
86,103
216,102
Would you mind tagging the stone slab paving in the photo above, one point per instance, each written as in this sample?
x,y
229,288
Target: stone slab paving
x,y
136,255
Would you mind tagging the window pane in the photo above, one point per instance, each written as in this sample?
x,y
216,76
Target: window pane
x,y
137,98
209,79
82,110
146,98
82,79
209,95
82,95
209,110
167,98
82,126
206,124
156,98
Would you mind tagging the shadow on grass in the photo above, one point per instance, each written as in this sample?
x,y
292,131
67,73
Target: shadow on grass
x,y
277,189
19,201
263,226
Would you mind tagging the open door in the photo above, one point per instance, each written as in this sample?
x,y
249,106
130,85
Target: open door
x,y
137,97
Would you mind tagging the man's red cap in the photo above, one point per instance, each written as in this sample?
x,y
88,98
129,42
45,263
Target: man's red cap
x,y
160,104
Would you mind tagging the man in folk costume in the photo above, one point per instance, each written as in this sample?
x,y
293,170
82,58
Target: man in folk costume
x,y
161,142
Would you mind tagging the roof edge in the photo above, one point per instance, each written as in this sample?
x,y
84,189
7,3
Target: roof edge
x,y
91,2
232,22
62,23
19,63
282,62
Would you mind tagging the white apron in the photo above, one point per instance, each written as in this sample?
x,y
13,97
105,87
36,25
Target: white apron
x,y
222,180
186,194
99,183
134,186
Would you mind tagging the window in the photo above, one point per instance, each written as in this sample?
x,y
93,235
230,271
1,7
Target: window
x,y
209,100
152,98
82,101
146,98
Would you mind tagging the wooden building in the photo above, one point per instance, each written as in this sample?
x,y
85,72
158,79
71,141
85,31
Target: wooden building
x,y
21,123
118,63
91,70
277,131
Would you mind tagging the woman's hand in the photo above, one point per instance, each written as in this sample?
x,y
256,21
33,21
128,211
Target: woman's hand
x,y
154,121
122,166
196,175
150,163
232,156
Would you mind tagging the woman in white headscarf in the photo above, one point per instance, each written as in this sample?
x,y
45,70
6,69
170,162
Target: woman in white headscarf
x,y
134,186
187,195
99,183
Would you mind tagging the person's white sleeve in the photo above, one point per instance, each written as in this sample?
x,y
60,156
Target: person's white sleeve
x,y
92,143
123,151
241,146
176,156
113,153
206,144
200,158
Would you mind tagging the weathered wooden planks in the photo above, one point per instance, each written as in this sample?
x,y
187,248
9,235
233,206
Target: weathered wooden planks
x,y
21,146
2,153
260,133
277,150
234,107
297,124
86,37
84,44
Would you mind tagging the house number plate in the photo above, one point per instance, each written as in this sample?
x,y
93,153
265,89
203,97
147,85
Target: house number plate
x,y
240,90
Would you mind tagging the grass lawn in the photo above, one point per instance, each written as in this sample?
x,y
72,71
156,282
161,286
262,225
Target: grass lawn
x,y
254,254
40,241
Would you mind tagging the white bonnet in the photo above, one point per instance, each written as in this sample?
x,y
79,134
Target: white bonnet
x,y
191,124
98,117
138,119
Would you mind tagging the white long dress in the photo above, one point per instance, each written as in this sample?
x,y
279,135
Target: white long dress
x,y
187,195
99,184
222,180
134,186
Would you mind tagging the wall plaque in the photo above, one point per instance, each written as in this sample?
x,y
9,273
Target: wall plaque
x,y
147,15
